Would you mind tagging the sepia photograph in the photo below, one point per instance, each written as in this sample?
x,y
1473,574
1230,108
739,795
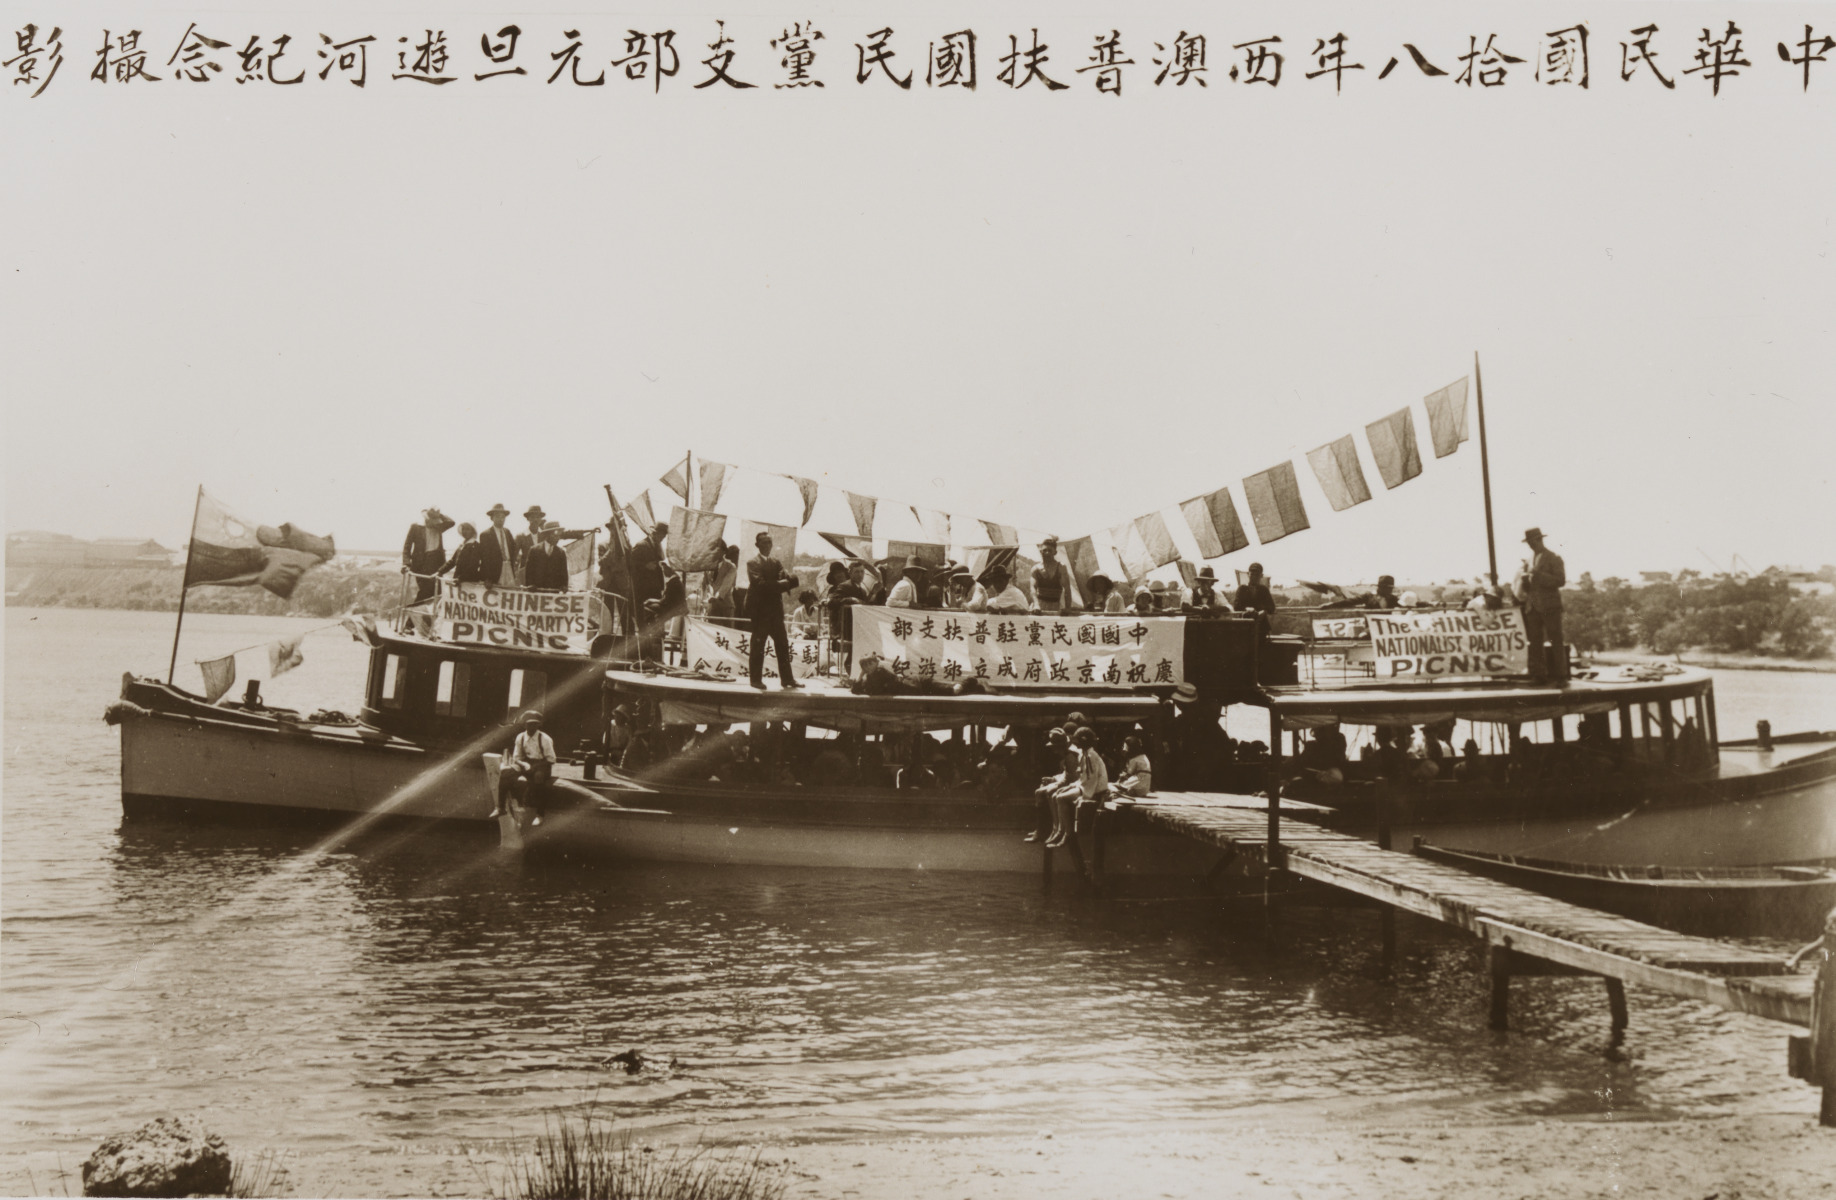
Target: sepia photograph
x,y
934,602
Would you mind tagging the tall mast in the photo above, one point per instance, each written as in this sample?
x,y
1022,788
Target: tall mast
x,y
184,586
1485,471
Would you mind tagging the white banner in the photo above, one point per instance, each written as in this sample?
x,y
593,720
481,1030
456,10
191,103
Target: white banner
x,y
484,614
723,650
1023,651
1328,628
1435,644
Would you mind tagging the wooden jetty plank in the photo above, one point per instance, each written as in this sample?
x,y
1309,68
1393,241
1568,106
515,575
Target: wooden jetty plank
x,y
1500,914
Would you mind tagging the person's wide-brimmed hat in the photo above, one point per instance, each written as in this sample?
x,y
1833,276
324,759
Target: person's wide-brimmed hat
x,y
1157,586
532,717
534,513
497,510
551,527
1207,574
1048,542
1533,534
1185,693
1096,575
1143,590
838,571
959,571
915,568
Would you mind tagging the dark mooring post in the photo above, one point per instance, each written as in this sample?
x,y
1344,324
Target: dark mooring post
x,y
1498,965
1823,1024
1616,1004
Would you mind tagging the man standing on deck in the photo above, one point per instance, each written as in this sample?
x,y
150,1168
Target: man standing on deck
x,y
424,551
1543,609
1051,592
1254,596
545,570
525,542
501,555
766,583
647,566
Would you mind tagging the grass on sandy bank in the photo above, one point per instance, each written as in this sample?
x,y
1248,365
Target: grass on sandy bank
x,y
585,1158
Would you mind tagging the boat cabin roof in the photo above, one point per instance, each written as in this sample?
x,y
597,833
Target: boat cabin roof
x,y
829,705
1425,704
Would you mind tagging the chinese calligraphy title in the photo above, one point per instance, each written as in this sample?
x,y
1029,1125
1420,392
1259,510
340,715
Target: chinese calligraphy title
x,y
800,55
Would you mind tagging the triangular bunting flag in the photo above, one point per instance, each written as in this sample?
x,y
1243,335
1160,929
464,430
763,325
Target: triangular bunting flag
x,y
676,479
850,545
1335,465
640,512
1447,418
936,525
1214,523
695,539
1002,535
1275,503
284,655
862,507
1393,446
219,676
808,488
713,479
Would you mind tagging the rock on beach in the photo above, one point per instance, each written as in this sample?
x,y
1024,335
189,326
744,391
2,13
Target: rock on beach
x,y
173,1156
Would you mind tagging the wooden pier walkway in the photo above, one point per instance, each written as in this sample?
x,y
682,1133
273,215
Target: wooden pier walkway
x,y
1525,932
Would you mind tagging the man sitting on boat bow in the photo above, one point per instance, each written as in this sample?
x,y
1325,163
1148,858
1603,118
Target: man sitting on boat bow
x,y
533,758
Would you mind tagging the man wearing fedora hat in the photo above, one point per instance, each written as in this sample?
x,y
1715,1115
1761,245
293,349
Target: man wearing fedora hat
x,y
545,569
1543,609
424,551
1205,598
904,593
766,583
498,551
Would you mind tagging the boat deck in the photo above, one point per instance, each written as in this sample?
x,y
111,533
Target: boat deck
x,y
1511,918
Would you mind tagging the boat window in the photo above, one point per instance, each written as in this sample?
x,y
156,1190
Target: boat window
x,y
455,684
527,688
394,681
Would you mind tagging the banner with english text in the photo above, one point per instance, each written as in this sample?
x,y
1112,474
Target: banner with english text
x,y
484,614
1441,644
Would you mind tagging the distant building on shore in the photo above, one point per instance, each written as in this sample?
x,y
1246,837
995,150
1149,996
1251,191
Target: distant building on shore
x,y
39,548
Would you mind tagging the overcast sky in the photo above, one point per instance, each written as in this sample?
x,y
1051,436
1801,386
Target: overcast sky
x,y
333,305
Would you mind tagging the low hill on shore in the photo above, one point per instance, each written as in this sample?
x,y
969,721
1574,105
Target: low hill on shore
x,y
329,591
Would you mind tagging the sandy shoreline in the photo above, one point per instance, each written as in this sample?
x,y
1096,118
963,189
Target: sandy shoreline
x,y
1749,1157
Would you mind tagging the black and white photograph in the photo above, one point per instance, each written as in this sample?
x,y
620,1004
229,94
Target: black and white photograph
x,y
948,601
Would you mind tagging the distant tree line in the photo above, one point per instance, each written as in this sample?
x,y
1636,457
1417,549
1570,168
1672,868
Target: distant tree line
x,y
1731,614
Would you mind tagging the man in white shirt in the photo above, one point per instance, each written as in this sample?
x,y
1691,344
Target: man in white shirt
x,y
998,594
533,759
904,594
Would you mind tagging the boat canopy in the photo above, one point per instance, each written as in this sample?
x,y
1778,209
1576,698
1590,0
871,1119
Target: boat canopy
x,y
1419,704
688,701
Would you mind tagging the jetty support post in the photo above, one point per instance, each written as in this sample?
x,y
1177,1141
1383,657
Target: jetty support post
x,y
1274,857
1813,1058
1498,966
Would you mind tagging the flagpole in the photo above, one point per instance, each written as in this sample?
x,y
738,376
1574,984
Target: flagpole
x,y
184,586
1485,470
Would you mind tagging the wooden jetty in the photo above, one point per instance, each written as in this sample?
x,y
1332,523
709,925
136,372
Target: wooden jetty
x,y
1525,933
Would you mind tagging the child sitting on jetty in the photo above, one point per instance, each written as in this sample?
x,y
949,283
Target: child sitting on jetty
x,y
1137,772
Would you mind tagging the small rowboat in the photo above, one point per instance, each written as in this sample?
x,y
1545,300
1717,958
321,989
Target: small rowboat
x,y
1776,901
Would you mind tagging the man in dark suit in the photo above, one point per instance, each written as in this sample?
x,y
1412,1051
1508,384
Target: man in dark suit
x,y
525,542
424,551
545,570
766,583
646,563
499,553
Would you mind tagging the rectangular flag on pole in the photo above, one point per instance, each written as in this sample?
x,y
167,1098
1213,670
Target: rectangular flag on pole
x,y
1275,503
581,561
1447,417
695,539
713,479
1335,465
1393,446
862,507
1214,523
230,552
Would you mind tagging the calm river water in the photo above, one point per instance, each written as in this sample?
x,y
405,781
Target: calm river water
x,y
427,989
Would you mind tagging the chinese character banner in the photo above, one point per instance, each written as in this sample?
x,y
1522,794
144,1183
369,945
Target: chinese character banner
x,y
723,650
1019,650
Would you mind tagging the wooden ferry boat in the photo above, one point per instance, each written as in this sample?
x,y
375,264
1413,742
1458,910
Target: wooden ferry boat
x,y
1648,783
